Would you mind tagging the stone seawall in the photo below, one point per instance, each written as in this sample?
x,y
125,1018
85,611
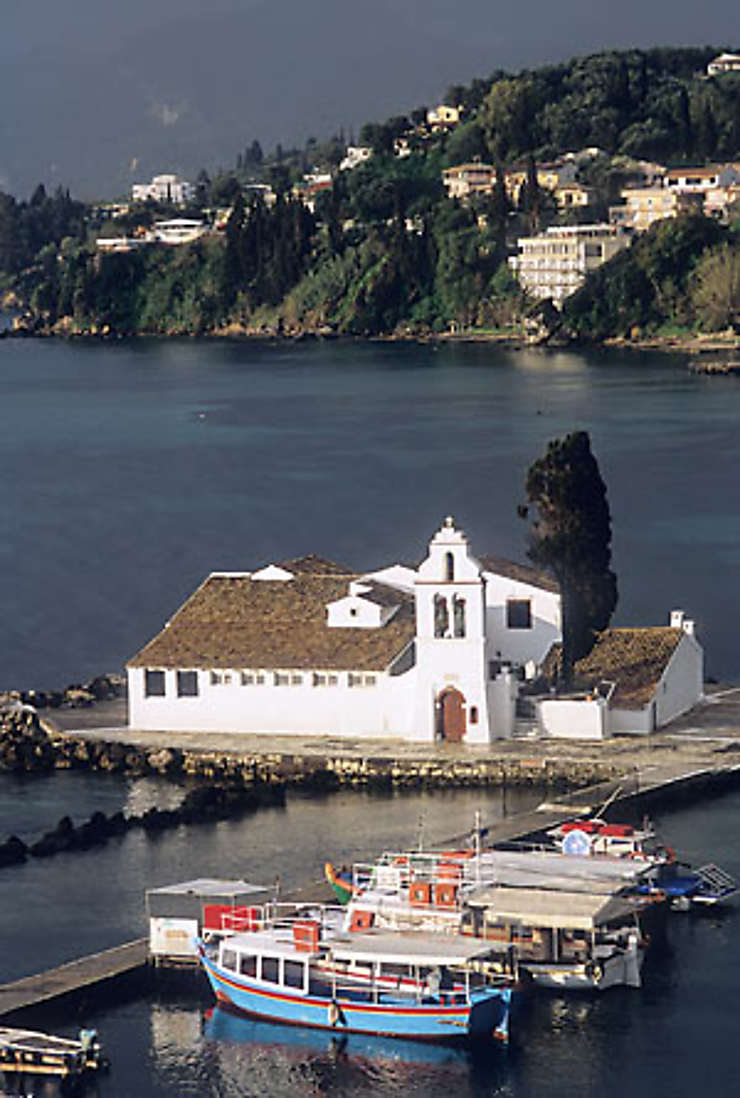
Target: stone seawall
x,y
28,744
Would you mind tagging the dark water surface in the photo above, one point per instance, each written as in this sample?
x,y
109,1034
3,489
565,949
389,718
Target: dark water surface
x,y
129,471
676,1036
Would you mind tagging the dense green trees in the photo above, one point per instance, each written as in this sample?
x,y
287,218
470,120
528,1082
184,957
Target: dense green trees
x,y
386,249
646,285
570,536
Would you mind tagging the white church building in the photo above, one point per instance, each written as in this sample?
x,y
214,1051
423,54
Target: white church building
x,y
307,646
432,653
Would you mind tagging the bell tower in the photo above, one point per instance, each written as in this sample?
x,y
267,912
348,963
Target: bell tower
x,y
451,701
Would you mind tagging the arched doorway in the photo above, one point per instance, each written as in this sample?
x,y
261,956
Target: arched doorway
x,y
451,715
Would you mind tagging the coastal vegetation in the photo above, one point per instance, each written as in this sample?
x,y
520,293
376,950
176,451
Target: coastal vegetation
x,y
384,250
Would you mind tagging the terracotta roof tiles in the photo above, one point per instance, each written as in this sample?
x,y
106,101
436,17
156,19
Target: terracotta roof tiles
x,y
634,659
237,622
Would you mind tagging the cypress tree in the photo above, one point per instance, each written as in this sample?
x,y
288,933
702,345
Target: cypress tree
x,y
570,536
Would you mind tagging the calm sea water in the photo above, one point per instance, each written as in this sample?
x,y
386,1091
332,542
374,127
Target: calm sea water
x,y
675,1036
130,471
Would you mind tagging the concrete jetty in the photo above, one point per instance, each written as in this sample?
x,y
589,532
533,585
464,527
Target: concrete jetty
x,y
73,977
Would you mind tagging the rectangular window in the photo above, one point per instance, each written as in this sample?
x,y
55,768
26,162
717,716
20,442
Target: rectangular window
x,y
154,684
293,973
296,680
519,614
354,680
271,969
280,678
228,959
216,678
248,964
319,679
187,684
253,678
333,680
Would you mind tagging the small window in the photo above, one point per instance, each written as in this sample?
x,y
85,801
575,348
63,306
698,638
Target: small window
x,y
353,611
449,567
280,678
271,969
474,714
248,964
353,679
333,680
248,678
296,680
228,959
370,680
519,614
187,684
319,679
227,677
293,973
216,678
154,684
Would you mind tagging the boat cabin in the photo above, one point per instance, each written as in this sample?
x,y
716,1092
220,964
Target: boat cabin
x,y
553,927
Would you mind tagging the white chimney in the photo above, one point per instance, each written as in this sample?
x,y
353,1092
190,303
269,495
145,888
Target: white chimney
x,y
677,618
688,627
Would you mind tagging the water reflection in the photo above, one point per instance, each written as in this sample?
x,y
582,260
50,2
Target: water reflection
x,y
312,1062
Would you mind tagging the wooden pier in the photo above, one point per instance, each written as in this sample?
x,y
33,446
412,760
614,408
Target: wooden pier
x,y
76,976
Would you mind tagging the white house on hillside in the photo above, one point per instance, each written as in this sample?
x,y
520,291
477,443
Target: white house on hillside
x,y
308,646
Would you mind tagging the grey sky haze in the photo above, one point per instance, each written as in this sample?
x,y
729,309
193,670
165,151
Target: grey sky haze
x,y
96,95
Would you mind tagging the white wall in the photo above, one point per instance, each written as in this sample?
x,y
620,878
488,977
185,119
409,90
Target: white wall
x,y
380,710
502,694
573,719
520,645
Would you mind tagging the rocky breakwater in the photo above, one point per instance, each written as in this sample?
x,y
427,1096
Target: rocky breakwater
x,y
29,745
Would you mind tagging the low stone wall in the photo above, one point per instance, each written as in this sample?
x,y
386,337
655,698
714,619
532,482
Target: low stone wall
x,y
29,744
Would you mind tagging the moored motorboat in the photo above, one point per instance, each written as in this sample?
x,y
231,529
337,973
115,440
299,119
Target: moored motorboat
x,y
416,986
572,923
28,1052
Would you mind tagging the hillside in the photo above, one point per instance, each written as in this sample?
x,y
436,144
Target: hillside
x,y
382,248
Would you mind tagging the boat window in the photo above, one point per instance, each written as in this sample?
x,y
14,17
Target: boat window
x,y
248,964
228,959
395,970
293,973
271,969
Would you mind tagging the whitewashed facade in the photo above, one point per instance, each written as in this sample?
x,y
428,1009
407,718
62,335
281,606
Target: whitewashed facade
x,y
306,647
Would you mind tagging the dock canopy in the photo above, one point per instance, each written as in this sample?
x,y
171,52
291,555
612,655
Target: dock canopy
x,y
555,910
187,899
560,872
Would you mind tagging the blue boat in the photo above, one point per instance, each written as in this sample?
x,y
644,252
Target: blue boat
x,y
412,985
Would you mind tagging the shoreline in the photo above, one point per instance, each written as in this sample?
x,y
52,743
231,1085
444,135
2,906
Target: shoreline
x,y
693,344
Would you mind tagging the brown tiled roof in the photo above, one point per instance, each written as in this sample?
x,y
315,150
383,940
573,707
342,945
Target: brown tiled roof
x,y
317,565
524,573
235,621
383,595
634,659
